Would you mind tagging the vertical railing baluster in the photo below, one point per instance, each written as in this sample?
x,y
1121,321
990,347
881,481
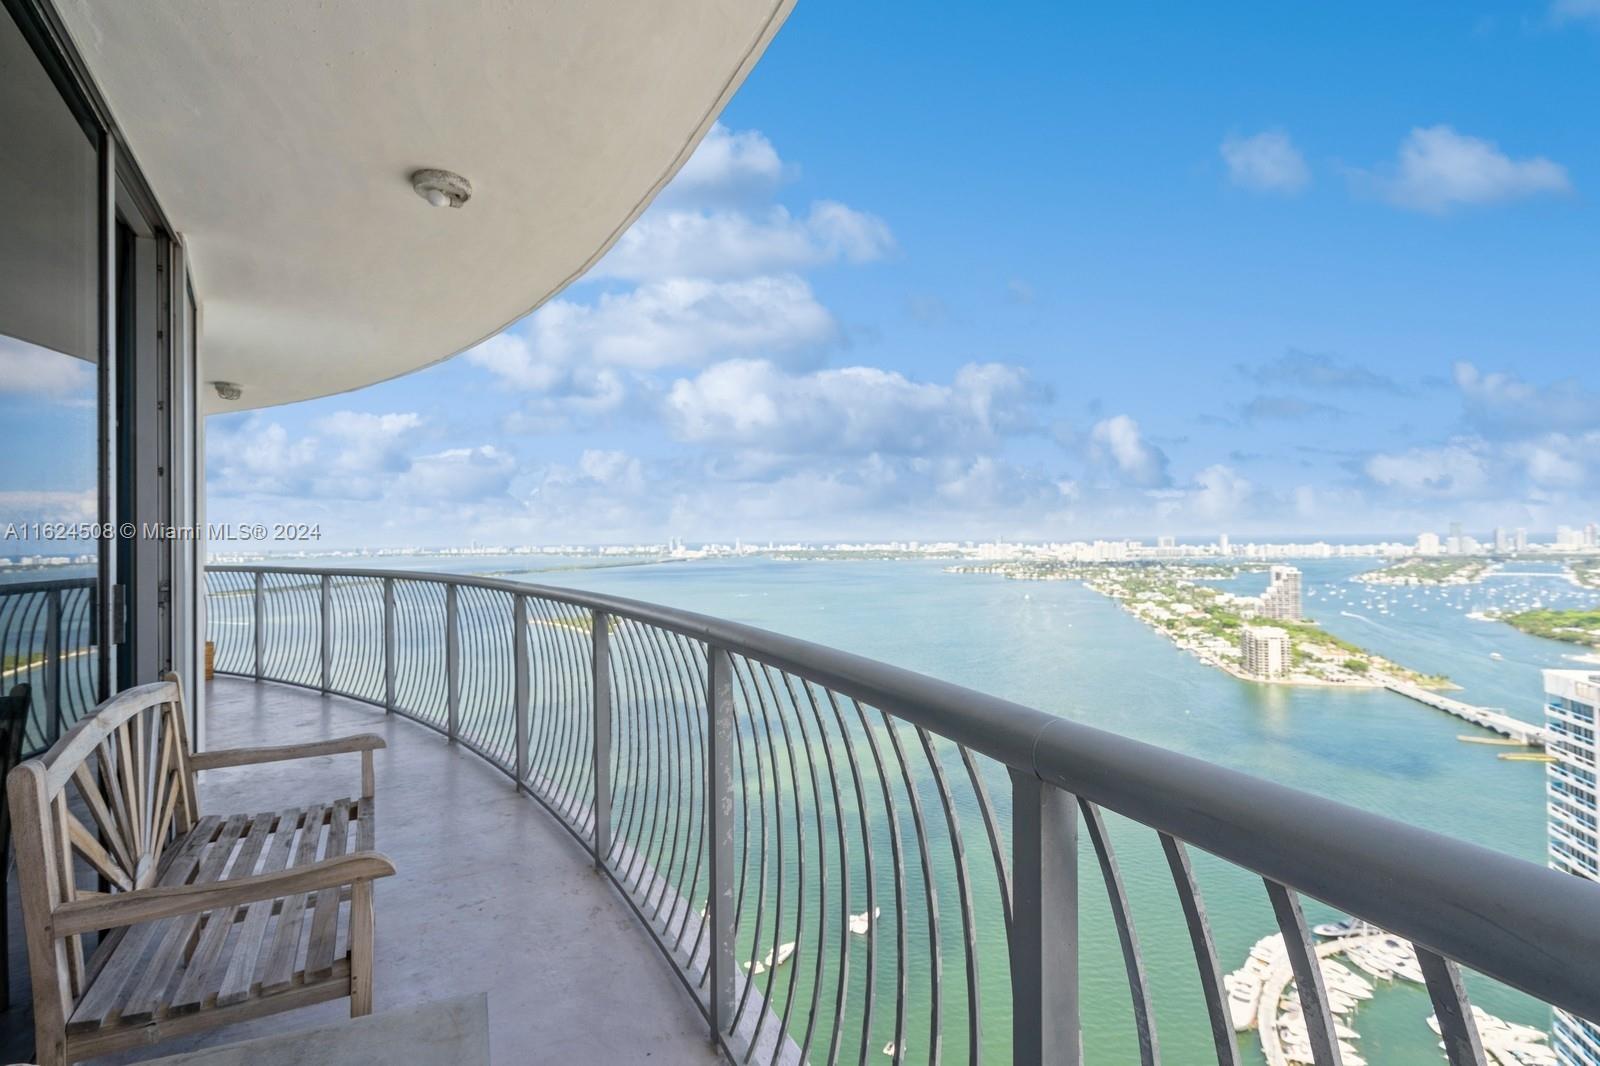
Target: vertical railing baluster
x,y
600,686
52,665
1133,959
1307,974
719,831
391,652
326,645
452,661
1451,1009
1044,942
1205,950
519,665
260,625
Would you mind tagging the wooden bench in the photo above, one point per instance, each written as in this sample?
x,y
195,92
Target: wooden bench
x,y
147,919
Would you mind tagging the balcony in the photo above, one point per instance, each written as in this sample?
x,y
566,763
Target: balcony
x,y
494,891
797,854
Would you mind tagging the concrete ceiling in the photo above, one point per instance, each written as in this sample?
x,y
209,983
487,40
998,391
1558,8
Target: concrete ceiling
x,y
279,138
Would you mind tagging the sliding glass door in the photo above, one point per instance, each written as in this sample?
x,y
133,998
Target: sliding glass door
x,y
99,459
53,373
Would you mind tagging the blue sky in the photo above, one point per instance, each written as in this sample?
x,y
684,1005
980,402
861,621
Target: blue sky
x,y
1051,271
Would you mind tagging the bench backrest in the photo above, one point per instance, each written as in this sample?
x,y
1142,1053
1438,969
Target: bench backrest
x,y
96,813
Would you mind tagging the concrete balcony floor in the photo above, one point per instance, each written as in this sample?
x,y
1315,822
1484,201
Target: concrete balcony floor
x,y
491,895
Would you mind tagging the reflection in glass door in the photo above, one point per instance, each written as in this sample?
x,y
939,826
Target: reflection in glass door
x,y
52,557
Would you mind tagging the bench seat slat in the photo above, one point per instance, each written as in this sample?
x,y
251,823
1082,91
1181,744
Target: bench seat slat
x,y
157,970
149,994
278,971
325,913
219,922
241,970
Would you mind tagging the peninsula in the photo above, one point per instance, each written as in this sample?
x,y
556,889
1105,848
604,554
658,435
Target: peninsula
x,y
1237,634
1430,570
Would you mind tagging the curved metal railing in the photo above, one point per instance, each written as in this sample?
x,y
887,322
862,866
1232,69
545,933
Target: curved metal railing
x,y
833,853
46,642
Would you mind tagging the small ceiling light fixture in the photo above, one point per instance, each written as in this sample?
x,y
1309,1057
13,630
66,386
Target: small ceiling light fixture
x,y
227,390
442,188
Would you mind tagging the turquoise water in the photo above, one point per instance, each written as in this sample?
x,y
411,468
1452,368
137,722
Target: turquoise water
x,y
1067,650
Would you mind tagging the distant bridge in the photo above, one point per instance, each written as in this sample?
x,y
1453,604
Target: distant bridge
x,y
1523,732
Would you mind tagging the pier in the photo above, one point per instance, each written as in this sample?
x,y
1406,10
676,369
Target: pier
x,y
1496,721
1279,976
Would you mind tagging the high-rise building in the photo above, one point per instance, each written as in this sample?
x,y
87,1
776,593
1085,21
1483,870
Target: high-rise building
x,y
1453,544
1520,540
1591,536
1264,651
1427,544
1281,601
1223,547
1502,542
1571,699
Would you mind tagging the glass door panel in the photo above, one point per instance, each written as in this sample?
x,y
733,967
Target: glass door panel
x,y
51,551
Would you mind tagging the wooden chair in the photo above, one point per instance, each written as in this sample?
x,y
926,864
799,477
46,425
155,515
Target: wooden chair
x,y
202,919
14,708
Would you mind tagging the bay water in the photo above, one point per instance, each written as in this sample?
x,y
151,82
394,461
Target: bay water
x,y
1062,648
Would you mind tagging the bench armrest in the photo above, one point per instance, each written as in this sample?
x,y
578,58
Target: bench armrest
x,y
149,904
214,760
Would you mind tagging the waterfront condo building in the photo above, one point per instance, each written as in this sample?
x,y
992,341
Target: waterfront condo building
x,y
1265,651
1281,601
1571,698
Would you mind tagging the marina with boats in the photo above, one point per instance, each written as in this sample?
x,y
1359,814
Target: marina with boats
x,y
1356,961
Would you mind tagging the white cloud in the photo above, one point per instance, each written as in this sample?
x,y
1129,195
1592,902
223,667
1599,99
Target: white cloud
x,y
757,405
713,276
369,443
1439,169
673,323
1500,403
614,469
726,165
562,395
1219,492
349,456
1460,469
249,455
458,474
1553,463
1265,162
33,505
1117,443
734,244
30,370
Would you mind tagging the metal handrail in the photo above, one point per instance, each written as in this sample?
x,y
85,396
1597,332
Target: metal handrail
x,y
1528,926
46,642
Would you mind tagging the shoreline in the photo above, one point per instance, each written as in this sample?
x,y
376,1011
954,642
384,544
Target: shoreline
x,y
1373,682
1378,672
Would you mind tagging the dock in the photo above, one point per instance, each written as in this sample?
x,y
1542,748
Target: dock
x,y
1279,976
1525,733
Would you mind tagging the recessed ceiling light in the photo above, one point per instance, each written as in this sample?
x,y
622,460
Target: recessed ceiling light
x,y
442,188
